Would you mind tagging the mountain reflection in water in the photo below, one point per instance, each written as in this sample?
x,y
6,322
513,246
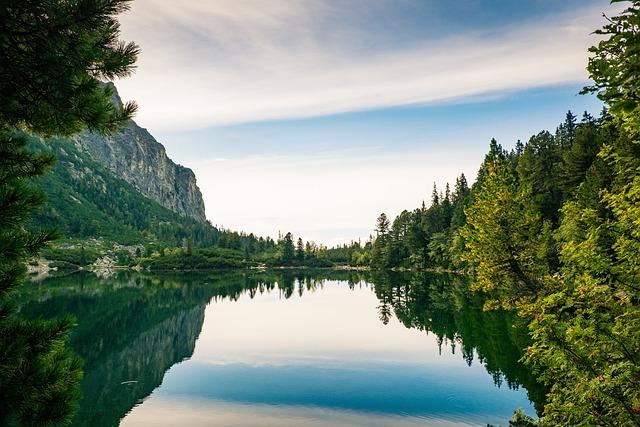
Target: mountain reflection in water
x,y
288,348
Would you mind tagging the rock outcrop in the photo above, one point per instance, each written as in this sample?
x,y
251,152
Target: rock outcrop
x,y
134,155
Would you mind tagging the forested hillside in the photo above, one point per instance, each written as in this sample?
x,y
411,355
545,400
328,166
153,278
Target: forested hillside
x,y
87,200
95,211
520,189
552,230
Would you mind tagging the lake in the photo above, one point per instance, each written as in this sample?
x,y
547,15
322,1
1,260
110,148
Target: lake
x,y
288,348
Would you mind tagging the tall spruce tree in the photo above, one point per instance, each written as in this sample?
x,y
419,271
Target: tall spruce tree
x,y
379,252
300,250
288,249
53,54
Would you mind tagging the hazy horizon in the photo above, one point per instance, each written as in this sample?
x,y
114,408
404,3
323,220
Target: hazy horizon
x,y
316,116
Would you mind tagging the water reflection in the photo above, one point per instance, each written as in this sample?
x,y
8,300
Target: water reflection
x,y
286,348
443,305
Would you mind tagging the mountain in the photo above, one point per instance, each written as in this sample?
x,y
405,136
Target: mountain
x,y
134,155
85,199
121,187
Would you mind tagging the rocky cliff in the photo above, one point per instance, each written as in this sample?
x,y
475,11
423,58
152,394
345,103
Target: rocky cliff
x,y
134,155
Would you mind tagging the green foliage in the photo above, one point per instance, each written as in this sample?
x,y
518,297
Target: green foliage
x,y
537,170
520,419
614,66
71,257
423,238
300,250
586,326
53,53
502,236
85,200
198,259
552,228
580,155
51,57
38,375
248,252
287,249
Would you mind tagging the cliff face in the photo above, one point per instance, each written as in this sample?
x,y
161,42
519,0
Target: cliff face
x,y
134,155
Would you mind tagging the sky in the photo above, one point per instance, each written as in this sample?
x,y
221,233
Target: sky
x,y
314,116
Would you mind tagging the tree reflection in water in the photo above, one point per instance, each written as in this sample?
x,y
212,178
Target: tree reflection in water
x,y
131,328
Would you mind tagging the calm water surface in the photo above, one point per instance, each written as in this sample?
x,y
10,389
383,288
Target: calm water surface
x,y
287,349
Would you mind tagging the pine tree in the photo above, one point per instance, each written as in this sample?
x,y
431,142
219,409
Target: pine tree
x,y
417,239
435,197
309,250
577,159
501,237
380,250
382,226
288,249
613,67
539,171
38,376
496,153
519,149
565,131
300,250
51,56
585,329
462,188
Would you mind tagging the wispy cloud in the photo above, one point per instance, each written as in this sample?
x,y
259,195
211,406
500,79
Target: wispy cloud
x,y
230,61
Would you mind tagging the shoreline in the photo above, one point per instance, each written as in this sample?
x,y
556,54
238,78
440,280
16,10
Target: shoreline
x,y
38,274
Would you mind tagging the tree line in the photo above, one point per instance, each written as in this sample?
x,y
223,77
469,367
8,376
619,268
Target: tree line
x,y
551,229
544,172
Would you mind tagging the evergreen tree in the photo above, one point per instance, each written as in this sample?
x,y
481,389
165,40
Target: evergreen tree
x,y
300,250
577,159
460,200
309,250
379,252
586,336
382,226
614,66
397,250
51,56
462,188
288,249
566,131
435,197
501,237
496,153
39,378
519,149
539,171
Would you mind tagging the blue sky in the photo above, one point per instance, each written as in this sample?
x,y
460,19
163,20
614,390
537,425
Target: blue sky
x,y
313,116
